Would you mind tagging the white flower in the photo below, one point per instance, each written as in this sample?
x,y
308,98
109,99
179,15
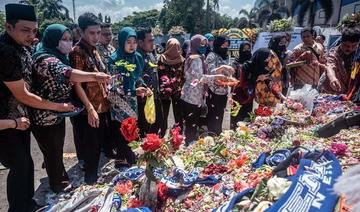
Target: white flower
x,y
278,186
209,140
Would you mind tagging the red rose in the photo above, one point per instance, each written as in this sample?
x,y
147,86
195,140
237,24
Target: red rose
x,y
151,143
129,129
162,191
263,111
134,203
177,138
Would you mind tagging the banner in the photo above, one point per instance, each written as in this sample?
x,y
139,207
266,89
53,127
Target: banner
x,y
263,39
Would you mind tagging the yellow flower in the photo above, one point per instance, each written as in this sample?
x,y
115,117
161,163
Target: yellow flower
x,y
126,65
152,65
224,152
201,141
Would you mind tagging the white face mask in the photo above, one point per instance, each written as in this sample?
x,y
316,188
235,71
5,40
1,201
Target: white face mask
x,y
65,47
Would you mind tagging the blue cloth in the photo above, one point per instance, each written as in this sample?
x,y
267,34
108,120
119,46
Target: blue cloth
x,y
209,180
181,179
272,160
143,209
228,206
312,187
277,157
260,160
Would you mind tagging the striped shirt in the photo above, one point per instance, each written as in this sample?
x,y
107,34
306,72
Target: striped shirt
x,y
310,72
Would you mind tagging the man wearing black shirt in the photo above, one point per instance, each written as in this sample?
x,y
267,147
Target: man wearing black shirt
x,y
150,77
15,78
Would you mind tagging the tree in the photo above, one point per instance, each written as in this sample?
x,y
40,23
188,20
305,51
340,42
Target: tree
x,y
2,21
174,13
52,9
310,6
137,19
100,17
211,5
271,10
249,19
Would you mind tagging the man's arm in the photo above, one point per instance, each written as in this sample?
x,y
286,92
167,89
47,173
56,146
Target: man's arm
x,y
21,93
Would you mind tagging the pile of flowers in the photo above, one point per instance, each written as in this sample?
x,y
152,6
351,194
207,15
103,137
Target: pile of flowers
x,y
207,173
281,25
350,21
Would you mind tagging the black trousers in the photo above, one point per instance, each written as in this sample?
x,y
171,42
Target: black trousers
x,y
243,114
15,155
144,126
191,115
92,140
123,151
51,142
76,135
177,111
216,107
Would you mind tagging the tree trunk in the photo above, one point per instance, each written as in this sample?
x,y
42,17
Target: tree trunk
x,y
312,14
207,15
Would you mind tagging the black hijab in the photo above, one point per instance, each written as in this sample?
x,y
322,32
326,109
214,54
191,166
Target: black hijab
x,y
274,45
222,52
243,55
256,65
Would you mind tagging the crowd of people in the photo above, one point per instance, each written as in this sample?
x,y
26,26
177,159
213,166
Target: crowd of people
x,y
83,68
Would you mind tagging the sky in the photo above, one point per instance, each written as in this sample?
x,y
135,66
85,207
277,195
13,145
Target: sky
x,y
118,9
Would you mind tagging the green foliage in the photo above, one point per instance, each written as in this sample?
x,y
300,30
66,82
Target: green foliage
x,y
2,21
138,19
186,13
350,21
282,25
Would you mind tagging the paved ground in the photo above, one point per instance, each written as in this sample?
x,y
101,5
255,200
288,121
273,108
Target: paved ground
x,y
70,161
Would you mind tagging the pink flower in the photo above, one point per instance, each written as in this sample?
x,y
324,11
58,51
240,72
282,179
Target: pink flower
x,y
339,149
177,138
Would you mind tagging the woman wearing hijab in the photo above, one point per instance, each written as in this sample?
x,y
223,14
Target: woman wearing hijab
x,y
52,80
171,78
210,47
125,66
185,48
263,77
217,63
238,94
193,91
278,45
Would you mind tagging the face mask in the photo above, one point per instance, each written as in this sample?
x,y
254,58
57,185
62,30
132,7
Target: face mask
x,y
246,54
281,48
202,50
223,51
65,47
